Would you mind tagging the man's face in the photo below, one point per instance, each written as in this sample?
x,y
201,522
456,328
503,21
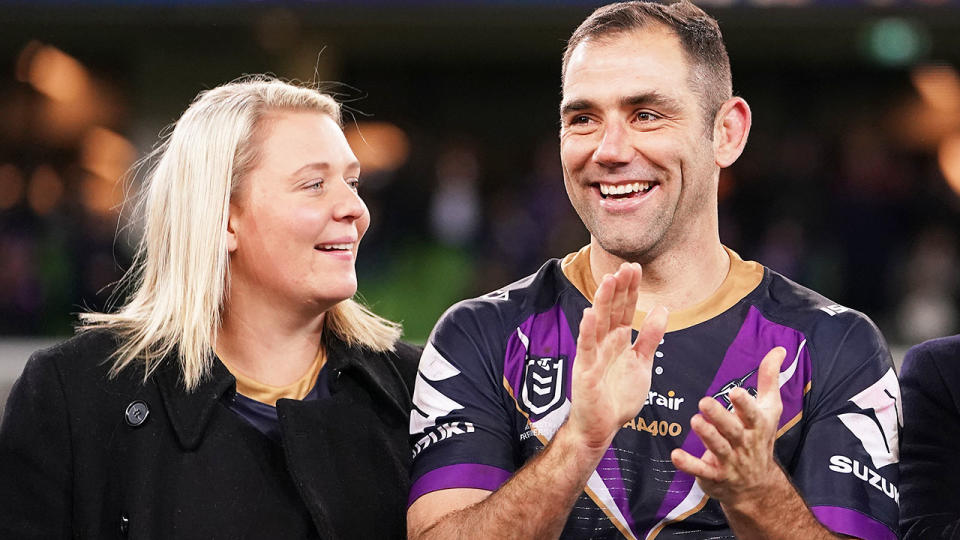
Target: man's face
x,y
637,153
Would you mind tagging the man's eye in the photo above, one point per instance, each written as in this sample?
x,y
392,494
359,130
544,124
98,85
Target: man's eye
x,y
353,182
646,116
315,185
579,119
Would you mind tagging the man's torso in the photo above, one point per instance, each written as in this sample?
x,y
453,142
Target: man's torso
x,y
494,385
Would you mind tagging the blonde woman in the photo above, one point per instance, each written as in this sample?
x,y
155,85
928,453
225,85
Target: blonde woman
x,y
239,392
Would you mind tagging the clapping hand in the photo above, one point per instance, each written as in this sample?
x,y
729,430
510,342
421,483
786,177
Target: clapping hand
x,y
611,375
738,466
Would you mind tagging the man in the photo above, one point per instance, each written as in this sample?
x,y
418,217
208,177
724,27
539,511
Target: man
x,y
535,416
930,376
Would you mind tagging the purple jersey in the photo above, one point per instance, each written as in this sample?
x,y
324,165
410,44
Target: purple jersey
x,y
494,386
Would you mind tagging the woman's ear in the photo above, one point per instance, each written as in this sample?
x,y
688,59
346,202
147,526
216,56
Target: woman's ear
x,y
231,230
730,131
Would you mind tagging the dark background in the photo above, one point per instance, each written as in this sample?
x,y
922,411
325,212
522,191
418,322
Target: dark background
x,y
843,186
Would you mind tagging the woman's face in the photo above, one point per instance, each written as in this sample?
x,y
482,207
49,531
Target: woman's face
x,y
296,220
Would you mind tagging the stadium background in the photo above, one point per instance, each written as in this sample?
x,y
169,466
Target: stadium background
x,y
849,183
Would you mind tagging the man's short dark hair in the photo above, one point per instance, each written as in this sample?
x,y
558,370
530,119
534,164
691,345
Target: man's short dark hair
x,y
698,33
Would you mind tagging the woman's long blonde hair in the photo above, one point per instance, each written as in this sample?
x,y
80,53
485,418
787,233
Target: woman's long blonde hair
x,y
180,273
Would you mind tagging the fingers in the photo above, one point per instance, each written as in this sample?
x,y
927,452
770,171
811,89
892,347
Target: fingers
x,y
721,420
602,303
620,295
616,298
768,378
651,332
587,340
696,467
746,408
628,290
712,438
633,293
620,339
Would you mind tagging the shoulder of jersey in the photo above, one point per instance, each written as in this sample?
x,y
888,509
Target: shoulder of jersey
x,y
788,303
513,301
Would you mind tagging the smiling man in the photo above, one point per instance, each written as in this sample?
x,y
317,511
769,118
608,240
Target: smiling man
x,y
755,408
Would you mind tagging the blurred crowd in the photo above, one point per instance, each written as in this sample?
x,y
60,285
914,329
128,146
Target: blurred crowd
x,y
837,190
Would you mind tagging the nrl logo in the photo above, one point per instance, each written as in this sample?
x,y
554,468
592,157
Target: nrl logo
x,y
542,384
724,394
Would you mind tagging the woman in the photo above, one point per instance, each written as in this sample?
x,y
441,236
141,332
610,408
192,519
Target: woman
x,y
239,392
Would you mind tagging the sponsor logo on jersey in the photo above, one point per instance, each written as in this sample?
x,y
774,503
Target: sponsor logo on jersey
x,y
846,465
542,384
657,428
544,428
669,400
723,396
442,432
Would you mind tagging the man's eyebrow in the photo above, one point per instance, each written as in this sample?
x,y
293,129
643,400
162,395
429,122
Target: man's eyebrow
x,y
574,106
655,99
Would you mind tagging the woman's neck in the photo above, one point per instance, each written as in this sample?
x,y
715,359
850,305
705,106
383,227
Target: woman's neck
x,y
266,346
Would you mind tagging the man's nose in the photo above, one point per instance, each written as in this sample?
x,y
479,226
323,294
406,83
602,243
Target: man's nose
x,y
614,148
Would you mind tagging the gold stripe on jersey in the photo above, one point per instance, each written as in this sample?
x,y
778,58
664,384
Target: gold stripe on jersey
x,y
793,421
743,277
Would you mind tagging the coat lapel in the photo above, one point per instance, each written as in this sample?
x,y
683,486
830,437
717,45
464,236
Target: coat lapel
x,y
373,371
190,412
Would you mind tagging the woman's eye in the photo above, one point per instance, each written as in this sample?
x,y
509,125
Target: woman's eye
x,y
353,182
315,185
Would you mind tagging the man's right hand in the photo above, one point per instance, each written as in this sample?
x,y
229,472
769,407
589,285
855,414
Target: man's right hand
x,y
611,375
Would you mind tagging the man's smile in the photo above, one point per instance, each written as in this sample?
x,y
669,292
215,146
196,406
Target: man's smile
x,y
624,190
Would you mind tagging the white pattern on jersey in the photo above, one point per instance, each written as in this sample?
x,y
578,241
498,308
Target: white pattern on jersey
x,y
433,367
880,441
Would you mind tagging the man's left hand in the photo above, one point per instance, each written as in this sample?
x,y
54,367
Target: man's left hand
x,y
738,468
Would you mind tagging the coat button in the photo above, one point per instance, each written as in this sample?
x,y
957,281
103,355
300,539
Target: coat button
x,y
136,413
124,525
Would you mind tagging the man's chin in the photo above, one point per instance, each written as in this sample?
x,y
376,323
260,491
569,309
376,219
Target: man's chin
x,y
629,249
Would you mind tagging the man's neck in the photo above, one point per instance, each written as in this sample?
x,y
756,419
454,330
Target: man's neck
x,y
677,279
271,347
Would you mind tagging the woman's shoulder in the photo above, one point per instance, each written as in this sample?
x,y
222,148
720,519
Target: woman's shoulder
x,y
80,361
408,353
406,356
70,375
86,349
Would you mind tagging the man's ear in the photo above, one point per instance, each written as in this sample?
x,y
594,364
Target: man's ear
x,y
231,230
730,131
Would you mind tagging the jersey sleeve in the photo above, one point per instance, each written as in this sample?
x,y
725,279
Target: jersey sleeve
x,y
930,477
847,465
461,425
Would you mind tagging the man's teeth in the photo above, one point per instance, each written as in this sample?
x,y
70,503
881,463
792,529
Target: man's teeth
x,y
623,189
336,247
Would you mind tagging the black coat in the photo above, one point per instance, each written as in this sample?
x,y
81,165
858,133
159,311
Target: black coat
x,y
73,462
930,447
